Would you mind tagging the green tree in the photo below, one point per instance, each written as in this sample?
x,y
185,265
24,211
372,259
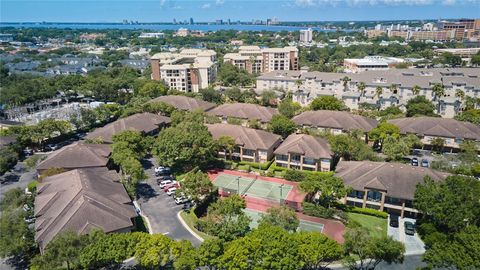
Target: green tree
x,y
228,144
209,253
329,187
211,95
361,88
197,185
184,256
185,145
438,144
288,108
268,98
281,125
283,217
226,219
449,204
349,148
420,106
154,252
370,251
327,103
416,90
384,130
395,149
378,91
438,91
317,251
152,89
472,116
230,75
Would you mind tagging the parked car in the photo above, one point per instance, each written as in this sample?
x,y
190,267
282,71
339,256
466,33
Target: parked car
x,y
181,200
188,205
171,191
409,228
162,171
394,221
166,187
28,152
425,163
165,177
163,183
414,161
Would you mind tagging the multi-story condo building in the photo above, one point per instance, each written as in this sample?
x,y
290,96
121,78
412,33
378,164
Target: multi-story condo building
x,y
189,70
452,132
381,88
304,152
384,186
244,112
306,35
252,145
260,60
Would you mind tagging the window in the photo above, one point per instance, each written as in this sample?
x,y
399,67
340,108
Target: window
x,y
374,196
309,161
356,194
282,157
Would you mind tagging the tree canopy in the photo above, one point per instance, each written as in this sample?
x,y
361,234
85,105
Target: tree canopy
x,y
328,103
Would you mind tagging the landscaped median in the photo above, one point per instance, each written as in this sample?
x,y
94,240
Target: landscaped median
x,y
189,219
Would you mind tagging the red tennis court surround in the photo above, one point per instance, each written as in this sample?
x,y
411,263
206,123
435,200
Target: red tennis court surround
x,y
332,228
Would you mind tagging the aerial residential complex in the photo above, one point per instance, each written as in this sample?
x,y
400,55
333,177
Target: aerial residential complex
x,y
260,60
188,71
382,88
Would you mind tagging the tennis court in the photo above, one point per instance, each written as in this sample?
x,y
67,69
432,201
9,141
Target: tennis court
x,y
304,225
252,187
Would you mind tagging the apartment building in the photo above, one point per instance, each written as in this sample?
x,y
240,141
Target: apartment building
x,y
441,35
306,35
396,86
383,186
304,152
355,65
336,122
245,112
260,60
184,103
451,131
252,145
188,71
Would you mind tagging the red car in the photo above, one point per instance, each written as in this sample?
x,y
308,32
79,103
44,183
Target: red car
x,y
165,188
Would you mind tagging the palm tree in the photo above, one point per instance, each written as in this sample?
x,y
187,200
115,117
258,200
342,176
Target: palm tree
x,y
228,144
416,90
298,83
361,87
460,94
345,81
378,91
438,90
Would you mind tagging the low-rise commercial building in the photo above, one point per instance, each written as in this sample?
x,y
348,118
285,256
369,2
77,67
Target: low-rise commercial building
x,y
188,71
383,186
355,65
452,132
260,60
252,145
304,152
82,200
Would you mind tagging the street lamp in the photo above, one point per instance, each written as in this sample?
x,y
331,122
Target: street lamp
x,y
238,185
281,192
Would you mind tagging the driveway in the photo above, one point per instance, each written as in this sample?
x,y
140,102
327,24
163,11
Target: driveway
x,y
413,244
160,209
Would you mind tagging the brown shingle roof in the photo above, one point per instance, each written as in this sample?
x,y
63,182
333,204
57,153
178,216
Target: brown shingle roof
x,y
442,127
247,137
335,119
185,103
77,155
245,111
143,122
307,145
81,200
398,180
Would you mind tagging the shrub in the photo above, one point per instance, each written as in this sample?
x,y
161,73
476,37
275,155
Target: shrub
x,y
234,121
32,186
244,168
311,209
32,161
368,211
294,175
261,166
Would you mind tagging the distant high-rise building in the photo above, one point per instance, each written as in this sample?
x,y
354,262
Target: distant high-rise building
x,y
174,21
191,21
306,35
219,21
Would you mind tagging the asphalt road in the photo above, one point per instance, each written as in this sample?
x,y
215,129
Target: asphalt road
x,y
19,176
161,209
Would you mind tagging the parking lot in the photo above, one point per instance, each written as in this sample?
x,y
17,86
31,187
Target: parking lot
x,y
160,209
413,244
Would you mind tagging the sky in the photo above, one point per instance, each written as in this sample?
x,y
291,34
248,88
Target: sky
x,y
244,10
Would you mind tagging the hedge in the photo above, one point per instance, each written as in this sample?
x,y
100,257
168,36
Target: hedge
x,y
261,166
368,211
314,210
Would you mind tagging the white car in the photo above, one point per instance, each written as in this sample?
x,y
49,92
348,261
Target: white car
x,y
181,200
171,191
166,182
159,168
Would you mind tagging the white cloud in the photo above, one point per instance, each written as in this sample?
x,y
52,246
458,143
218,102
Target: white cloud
x,y
449,2
206,5
162,3
219,2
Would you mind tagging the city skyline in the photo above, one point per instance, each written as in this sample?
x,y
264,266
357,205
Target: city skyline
x,y
245,10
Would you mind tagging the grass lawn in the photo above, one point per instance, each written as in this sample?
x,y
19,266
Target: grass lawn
x,y
377,226
190,219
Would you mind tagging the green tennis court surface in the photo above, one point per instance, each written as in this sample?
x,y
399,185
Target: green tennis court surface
x,y
303,226
252,187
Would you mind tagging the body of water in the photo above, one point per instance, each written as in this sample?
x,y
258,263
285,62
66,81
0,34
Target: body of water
x,y
202,27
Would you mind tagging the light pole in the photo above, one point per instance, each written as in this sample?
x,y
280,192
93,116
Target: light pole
x,y
238,185
281,192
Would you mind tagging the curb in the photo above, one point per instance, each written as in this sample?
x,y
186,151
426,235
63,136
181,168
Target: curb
x,y
149,227
188,228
